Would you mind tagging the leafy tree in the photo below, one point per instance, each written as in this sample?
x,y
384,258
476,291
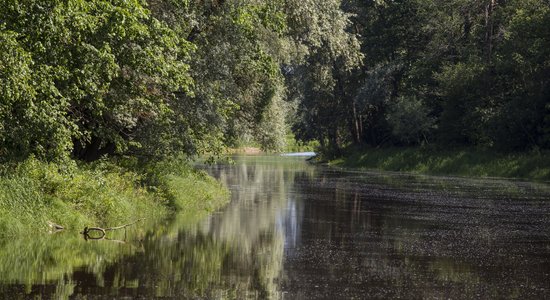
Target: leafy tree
x,y
410,120
324,73
522,68
238,90
158,77
32,111
104,68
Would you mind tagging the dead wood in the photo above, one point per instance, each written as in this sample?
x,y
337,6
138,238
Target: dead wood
x,y
103,231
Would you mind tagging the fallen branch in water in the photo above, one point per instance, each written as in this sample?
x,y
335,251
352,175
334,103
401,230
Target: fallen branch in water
x,y
87,230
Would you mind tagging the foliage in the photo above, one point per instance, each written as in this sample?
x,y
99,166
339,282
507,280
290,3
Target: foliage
x,y
294,145
157,78
31,111
238,92
332,54
477,69
97,71
34,193
410,120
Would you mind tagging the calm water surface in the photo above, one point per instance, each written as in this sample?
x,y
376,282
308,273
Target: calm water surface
x,y
296,231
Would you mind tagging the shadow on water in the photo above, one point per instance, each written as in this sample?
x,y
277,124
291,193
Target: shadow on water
x,y
297,231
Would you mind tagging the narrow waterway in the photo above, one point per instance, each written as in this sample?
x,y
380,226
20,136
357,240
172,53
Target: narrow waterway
x,y
298,231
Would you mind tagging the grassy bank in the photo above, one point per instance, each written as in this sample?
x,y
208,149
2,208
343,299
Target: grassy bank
x,y
34,194
463,162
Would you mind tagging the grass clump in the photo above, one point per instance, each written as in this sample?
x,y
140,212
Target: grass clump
x,y
185,188
464,162
34,193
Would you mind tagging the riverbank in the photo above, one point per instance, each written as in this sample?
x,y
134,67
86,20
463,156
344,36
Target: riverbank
x,y
244,150
463,162
34,195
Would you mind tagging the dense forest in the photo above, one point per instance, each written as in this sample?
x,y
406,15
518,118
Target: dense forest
x,y
153,78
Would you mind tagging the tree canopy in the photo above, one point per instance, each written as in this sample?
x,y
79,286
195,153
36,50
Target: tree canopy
x,y
462,72
157,77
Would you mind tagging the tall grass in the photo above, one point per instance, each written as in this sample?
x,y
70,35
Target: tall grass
x,y
35,193
185,188
464,162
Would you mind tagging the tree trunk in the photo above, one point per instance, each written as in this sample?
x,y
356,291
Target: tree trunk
x,y
355,126
489,29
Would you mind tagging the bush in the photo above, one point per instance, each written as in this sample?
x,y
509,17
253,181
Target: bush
x,y
410,120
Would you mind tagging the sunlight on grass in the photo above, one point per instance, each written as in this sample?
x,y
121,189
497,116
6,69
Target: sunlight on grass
x,y
34,193
463,162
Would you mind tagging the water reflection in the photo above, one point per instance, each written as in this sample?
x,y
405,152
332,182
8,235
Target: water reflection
x,y
296,231
372,235
234,254
45,265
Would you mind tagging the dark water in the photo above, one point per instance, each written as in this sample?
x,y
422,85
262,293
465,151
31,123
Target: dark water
x,y
295,231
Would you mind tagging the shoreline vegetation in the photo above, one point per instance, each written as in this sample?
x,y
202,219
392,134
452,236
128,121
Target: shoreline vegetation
x,y
83,80
35,194
291,144
245,150
471,162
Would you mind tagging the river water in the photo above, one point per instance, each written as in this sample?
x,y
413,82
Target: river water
x,y
297,231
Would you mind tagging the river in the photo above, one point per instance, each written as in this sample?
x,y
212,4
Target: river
x,y
297,231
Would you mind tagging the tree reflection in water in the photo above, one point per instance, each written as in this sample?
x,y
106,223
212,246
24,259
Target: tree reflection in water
x,y
237,253
297,231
